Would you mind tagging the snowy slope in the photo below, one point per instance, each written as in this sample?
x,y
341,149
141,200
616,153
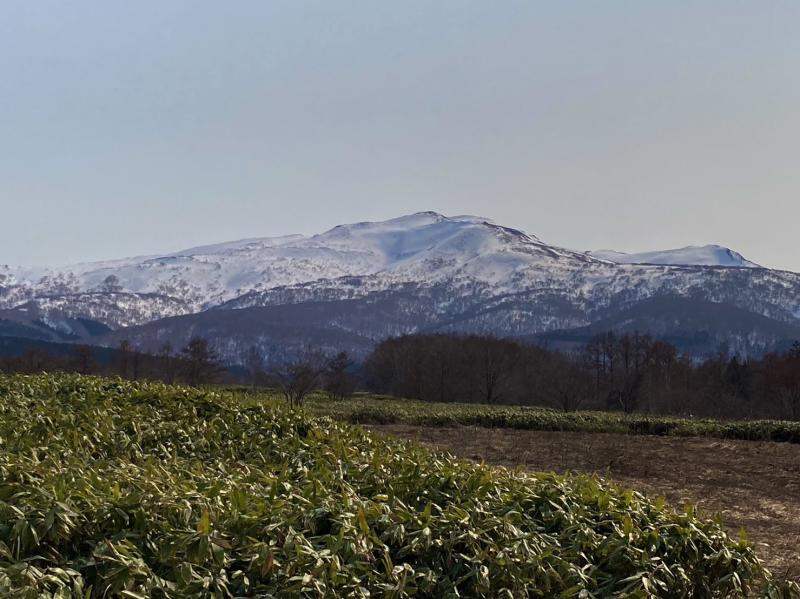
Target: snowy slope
x,y
423,246
706,255
423,271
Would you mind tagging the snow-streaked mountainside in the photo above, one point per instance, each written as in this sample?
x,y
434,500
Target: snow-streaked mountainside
x,y
706,255
367,280
420,247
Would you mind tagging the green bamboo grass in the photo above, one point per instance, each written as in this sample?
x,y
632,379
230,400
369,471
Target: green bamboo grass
x,y
119,489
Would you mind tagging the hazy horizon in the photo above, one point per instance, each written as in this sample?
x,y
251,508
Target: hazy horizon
x,y
131,129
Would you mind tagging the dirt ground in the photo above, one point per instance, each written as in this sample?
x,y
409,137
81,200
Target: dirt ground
x,y
753,485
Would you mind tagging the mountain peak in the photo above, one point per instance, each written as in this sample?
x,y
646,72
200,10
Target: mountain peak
x,y
417,219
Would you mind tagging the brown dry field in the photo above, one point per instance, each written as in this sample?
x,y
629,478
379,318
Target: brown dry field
x,y
753,485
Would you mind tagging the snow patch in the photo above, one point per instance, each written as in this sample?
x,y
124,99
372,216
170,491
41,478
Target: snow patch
x,y
706,255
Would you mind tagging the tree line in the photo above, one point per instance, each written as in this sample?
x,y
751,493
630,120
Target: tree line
x,y
626,372
198,363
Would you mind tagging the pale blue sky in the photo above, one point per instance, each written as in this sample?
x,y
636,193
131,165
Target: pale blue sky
x,y
149,126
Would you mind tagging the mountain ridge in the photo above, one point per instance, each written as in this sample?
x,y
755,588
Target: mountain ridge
x,y
691,255
423,271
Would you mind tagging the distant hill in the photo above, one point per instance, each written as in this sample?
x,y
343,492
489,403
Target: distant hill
x,y
695,326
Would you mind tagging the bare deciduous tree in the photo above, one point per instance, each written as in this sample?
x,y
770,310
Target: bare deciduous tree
x,y
201,363
566,384
123,358
338,382
167,366
255,365
84,359
298,378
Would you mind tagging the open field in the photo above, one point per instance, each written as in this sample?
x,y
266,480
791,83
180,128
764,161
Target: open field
x,y
755,485
371,409
134,490
736,469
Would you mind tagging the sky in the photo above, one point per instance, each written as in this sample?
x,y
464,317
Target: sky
x,y
131,128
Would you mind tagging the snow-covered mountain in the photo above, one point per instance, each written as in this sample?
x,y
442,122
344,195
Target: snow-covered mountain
x,y
367,280
706,255
421,247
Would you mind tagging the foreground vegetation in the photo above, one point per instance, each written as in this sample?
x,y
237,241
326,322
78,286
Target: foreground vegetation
x,y
118,489
755,485
371,409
